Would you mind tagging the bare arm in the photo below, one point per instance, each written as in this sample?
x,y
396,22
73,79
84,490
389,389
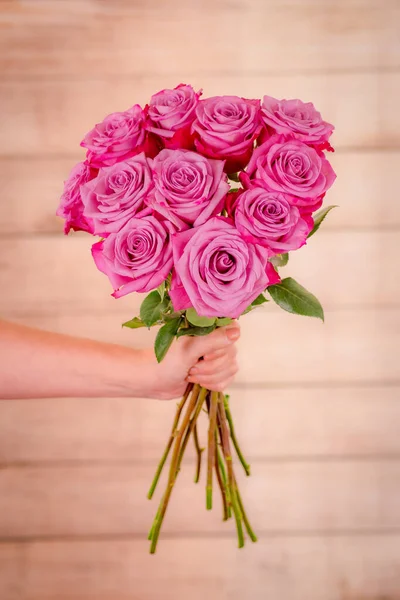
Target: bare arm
x,y
41,364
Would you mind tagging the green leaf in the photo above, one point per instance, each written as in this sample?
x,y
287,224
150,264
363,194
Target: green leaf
x,y
161,290
165,337
223,322
151,308
294,298
261,299
319,217
134,323
280,260
197,320
196,330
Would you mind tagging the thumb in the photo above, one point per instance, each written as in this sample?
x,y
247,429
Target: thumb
x,y
218,339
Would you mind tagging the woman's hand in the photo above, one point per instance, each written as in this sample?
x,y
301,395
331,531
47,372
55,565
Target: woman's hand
x,y
209,361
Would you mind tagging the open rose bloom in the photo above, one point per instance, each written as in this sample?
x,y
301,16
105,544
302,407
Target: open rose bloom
x,y
198,203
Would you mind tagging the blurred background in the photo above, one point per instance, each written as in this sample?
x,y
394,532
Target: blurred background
x,y
317,406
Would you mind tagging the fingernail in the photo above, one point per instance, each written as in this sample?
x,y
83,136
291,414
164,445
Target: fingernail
x,y
193,370
233,334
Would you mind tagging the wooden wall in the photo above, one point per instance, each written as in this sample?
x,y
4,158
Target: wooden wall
x,y
317,406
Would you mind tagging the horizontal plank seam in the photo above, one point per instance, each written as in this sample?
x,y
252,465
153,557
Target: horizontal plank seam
x,y
54,234
289,459
55,156
328,309
51,77
289,385
351,149
185,535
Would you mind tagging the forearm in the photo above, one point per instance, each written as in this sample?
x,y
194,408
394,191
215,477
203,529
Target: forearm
x,y
39,364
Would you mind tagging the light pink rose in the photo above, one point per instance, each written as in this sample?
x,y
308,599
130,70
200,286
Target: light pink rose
x,y
217,271
291,167
138,258
188,188
71,206
270,220
297,118
120,136
226,127
171,114
117,194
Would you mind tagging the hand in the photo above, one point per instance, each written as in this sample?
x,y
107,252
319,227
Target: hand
x,y
209,361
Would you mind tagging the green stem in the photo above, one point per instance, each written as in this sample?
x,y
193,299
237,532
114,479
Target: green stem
x,y
170,441
211,447
200,397
231,477
246,522
199,453
245,465
173,471
221,482
222,470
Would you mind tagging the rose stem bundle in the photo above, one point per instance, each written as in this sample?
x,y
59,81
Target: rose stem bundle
x,y
219,458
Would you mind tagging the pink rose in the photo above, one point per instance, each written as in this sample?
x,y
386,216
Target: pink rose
x,y
297,118
217,271
171,114
117,194
71,206
120,136
138,258
291,167
226,127
270,220
189,188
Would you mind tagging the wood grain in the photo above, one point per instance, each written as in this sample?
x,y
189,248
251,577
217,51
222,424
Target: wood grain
x,y
364,181
281,496
343,269
75,38
344,568
271,424
352,347
59,113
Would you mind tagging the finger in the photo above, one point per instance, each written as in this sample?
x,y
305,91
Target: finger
x,y
228,351
220,364
217,340
214,378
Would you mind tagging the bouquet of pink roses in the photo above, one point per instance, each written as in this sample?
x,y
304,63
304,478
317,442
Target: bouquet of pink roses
x,y
199,203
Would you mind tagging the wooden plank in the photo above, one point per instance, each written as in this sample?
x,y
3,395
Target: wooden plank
x,y
326,266
11,572
274,424
59,113
74,38
340,568
28,203
280,496
352,347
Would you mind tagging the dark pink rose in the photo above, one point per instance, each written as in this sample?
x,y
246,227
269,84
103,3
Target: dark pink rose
x,y
217,271
188,188
120,136
117,194
171,114
225,128
291,167
71,206
138,258
297,118
269,219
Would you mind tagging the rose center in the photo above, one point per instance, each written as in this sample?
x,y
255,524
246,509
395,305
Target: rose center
x,y
223,262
